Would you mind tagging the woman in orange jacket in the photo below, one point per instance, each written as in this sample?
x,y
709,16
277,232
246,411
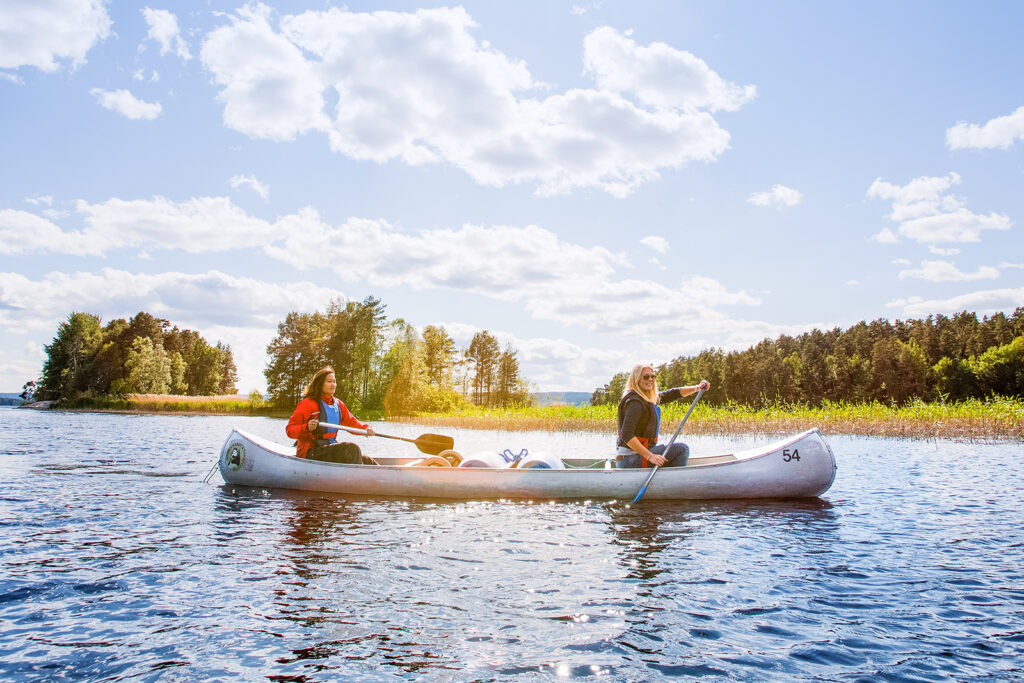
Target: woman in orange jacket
x,y
319,404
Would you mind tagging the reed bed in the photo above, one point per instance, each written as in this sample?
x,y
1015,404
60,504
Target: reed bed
x,y
229,404
995,419
986,420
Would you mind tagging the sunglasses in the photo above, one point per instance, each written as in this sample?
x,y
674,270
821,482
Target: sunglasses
x,y
647,376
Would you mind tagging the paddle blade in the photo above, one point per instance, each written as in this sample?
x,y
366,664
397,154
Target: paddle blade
x,y
433,444
643,489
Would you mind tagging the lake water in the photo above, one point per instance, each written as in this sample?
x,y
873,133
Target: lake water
x,y
120,563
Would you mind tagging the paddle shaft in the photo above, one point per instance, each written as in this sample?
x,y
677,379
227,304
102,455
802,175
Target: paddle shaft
x,y
643,489
428,443
362,432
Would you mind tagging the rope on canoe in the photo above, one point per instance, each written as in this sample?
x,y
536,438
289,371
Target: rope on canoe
x,y
210,473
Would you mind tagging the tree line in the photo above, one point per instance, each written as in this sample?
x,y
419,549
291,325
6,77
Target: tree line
x,y
144,354
387,365
935,358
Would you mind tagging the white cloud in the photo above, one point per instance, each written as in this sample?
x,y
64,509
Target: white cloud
x,y
778,197
958,226
55,214
944,271
23,232
116,293
982,302
451,99
163,28
939,251
262,189
197,225
922,196
21,364
999,133
126,104
535,262
658,244
885,236
42,34
927,214
608,305
659,75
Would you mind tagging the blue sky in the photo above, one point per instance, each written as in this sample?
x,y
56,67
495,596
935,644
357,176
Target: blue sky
x,y
598,183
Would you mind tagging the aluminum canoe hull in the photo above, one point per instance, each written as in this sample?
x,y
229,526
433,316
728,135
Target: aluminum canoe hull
x,y
801,466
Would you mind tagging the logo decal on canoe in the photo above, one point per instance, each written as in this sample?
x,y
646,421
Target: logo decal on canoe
x,y
235,455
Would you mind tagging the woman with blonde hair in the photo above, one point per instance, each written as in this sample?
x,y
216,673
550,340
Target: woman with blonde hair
x,y
319,405
639,417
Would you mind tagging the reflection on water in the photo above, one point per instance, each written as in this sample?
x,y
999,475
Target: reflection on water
x,y
644,532
120,563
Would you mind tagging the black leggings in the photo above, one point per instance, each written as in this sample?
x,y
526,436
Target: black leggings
x,y
340,452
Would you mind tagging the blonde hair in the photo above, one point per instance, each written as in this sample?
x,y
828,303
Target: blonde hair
x,y
633,383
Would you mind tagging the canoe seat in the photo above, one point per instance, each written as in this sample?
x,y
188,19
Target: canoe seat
x,y
429,461
711,459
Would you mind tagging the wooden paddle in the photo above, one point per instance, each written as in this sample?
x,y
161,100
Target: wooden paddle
x,y
432,444
643,489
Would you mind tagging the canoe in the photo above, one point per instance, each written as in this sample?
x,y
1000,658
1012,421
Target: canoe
x,y
801,466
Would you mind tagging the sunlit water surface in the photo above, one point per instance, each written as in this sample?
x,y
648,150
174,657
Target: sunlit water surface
x,y
120,563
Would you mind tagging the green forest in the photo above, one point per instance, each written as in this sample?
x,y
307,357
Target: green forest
x,y
384,365
937,358
143,355
387,366
381,365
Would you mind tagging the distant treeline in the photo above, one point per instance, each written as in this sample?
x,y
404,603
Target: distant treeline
x,y
935,358
144,355
388,366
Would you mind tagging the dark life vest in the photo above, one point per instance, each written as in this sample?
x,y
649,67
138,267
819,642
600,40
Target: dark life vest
x,y
646,432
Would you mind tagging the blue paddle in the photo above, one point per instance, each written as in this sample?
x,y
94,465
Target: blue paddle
x,y
643,489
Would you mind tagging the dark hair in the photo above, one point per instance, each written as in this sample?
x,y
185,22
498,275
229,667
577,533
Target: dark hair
x,y
316,385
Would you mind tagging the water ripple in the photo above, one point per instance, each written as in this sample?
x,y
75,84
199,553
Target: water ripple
x,y
120,564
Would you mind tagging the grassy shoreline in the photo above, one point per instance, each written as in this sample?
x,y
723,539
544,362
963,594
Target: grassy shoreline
x,y
172,405
991,419
996,419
